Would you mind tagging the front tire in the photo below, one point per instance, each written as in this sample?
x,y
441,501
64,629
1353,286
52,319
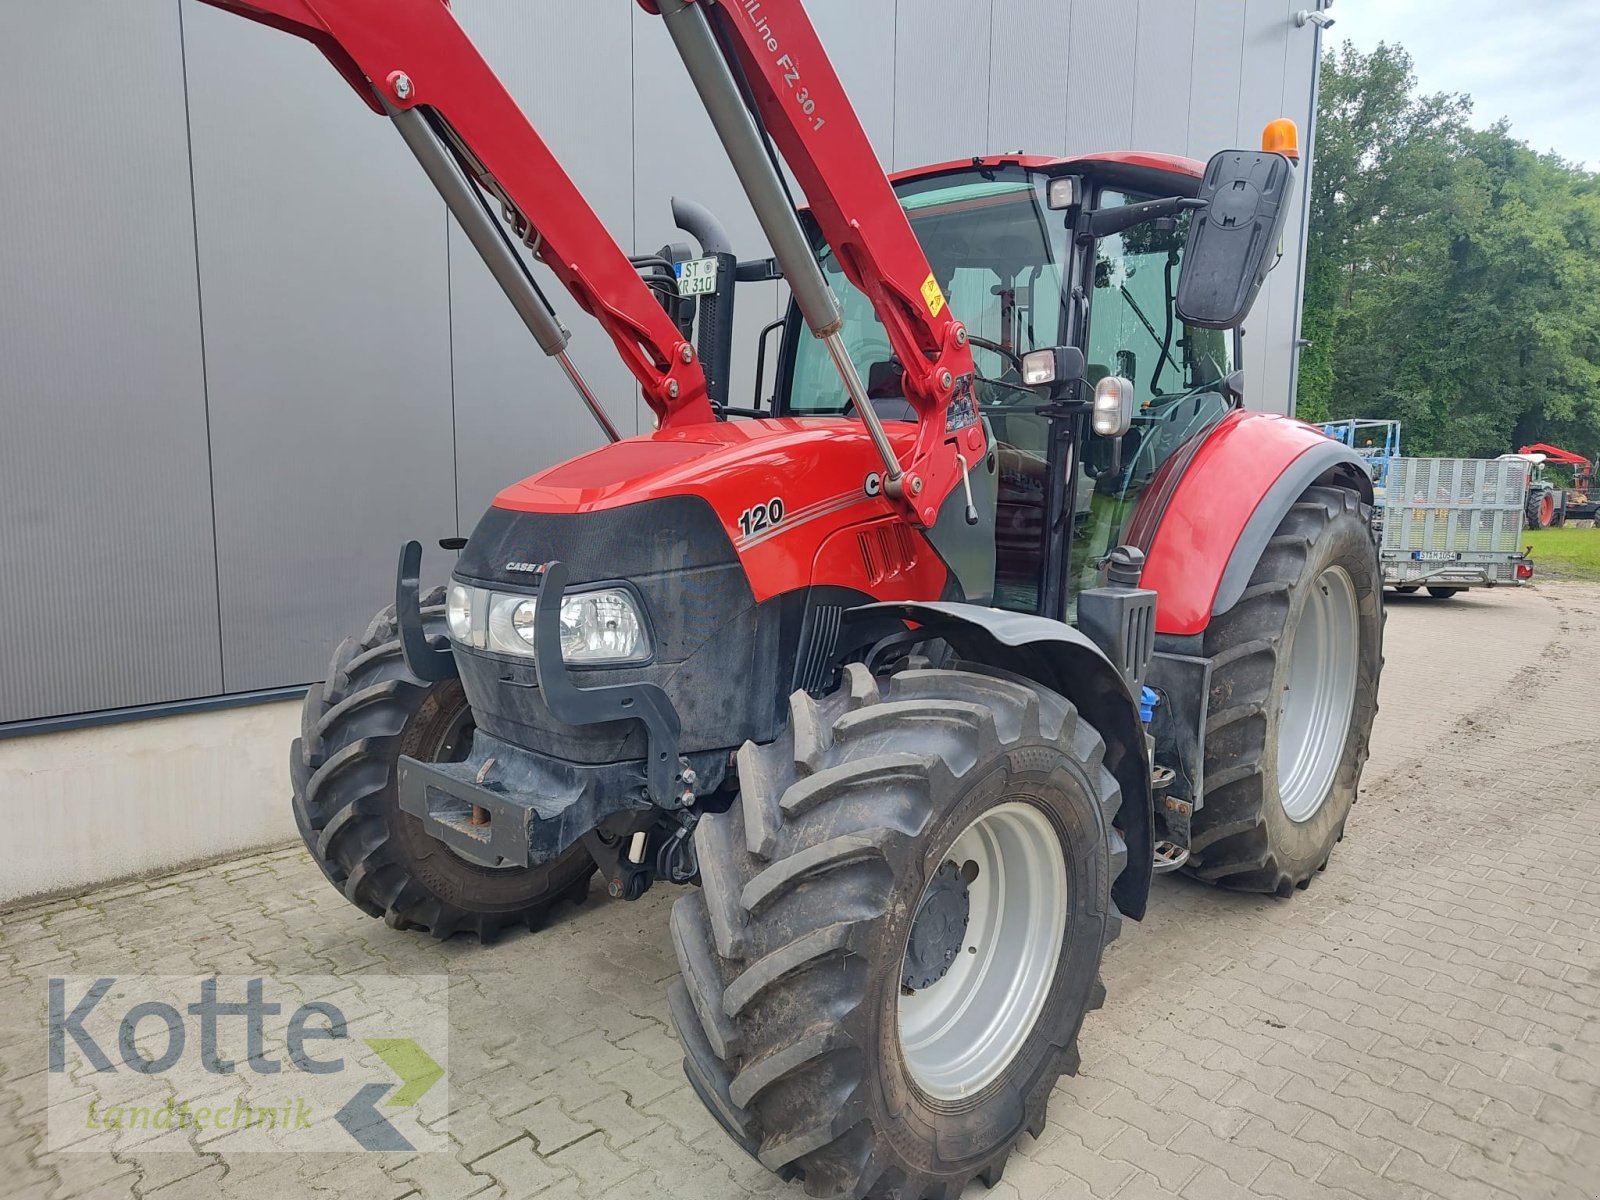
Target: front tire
x,y
354,728
1294,690
829,893
1541,510
1442,593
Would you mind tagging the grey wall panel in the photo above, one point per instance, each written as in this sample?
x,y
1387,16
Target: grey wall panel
x,y
1299,101
1298,55
322,267
1161,76
569,65
1214,79
859,38
1261,72
1214,86
1028,67
1274,54
941,81
1105,47
105,515
1264,63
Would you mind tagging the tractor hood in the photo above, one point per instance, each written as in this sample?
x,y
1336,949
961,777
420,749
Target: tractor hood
x,y
722,461
778,487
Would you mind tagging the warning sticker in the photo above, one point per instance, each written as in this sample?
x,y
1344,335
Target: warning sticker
x,y
932,294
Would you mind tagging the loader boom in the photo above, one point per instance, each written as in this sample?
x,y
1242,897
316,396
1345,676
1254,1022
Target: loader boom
x,y
410,60
411,56
771,48
1555,454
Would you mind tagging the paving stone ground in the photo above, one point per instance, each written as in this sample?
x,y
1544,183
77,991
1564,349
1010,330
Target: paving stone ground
x,y
1421,1023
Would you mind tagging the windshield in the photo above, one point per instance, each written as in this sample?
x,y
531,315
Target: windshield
x,y
996,253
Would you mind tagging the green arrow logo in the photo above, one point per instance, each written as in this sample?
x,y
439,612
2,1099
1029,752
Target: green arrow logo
x,y
405,1058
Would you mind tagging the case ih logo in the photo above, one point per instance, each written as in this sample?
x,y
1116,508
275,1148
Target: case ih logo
x,y
248,1064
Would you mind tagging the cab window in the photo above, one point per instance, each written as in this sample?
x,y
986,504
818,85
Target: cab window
x,y
996,253
1177,371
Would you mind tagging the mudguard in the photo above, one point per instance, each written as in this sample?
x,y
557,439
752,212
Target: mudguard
x,y
1208,514
1064,660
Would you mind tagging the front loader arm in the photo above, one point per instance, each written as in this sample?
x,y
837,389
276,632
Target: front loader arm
x,y
802,104
403,56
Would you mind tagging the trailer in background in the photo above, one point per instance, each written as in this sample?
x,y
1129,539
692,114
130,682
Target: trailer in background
x,y
1452,523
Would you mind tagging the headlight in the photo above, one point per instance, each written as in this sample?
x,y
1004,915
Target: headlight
x,y
507,635
522,619
601,626
458,612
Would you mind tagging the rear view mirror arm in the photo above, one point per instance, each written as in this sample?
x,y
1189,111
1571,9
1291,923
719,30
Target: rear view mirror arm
x,y
1104,222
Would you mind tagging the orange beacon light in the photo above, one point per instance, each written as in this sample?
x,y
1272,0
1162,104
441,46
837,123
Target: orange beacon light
x,y
1282,136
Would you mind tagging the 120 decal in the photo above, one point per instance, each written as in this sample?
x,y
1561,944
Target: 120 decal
x,y
761,516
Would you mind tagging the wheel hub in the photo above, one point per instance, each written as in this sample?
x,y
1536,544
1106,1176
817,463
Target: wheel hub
x,y
1319,699
939,928
1004,912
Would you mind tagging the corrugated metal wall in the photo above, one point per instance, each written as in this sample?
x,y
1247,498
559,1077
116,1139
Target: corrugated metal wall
x,y
244,354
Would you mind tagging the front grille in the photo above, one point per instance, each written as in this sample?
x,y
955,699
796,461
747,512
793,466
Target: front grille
x,y
816,655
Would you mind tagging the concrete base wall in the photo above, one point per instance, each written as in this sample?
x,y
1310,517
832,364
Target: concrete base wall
x,y
92,805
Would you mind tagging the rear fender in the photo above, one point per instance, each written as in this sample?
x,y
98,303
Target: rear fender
x,y
1205,526
1058,657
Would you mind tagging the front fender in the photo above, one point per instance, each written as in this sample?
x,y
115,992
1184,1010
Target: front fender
x,y
1064,660
1207,516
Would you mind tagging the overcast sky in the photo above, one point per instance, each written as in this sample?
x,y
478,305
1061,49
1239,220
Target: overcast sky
x,y
1534,61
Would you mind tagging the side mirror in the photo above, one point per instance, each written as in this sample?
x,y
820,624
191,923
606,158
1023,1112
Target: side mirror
x,y
1113,407
1233,241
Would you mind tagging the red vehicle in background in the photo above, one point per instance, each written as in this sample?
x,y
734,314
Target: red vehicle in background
x,y
1581,502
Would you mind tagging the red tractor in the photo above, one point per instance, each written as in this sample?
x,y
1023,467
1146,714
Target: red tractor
x,y
1582,502
1002,605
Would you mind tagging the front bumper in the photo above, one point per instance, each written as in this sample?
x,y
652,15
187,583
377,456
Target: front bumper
x,y
510,807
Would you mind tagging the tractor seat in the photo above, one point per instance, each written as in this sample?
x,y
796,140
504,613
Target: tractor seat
x,y
886,393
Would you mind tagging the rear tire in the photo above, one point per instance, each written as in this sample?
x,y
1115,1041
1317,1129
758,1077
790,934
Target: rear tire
x,y
1409,589
1442,593
795,952
354,728
1282,767
1541,510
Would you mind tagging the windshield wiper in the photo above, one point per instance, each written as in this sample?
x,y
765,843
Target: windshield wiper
x,y
1166,351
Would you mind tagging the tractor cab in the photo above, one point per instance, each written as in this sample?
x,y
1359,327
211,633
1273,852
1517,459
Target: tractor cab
x,y
1015,246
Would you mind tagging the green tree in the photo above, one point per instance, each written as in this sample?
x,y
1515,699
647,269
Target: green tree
x,y
1453,275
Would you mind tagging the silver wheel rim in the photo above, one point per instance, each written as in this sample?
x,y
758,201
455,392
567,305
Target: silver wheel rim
x,y
1319,695
959,1033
